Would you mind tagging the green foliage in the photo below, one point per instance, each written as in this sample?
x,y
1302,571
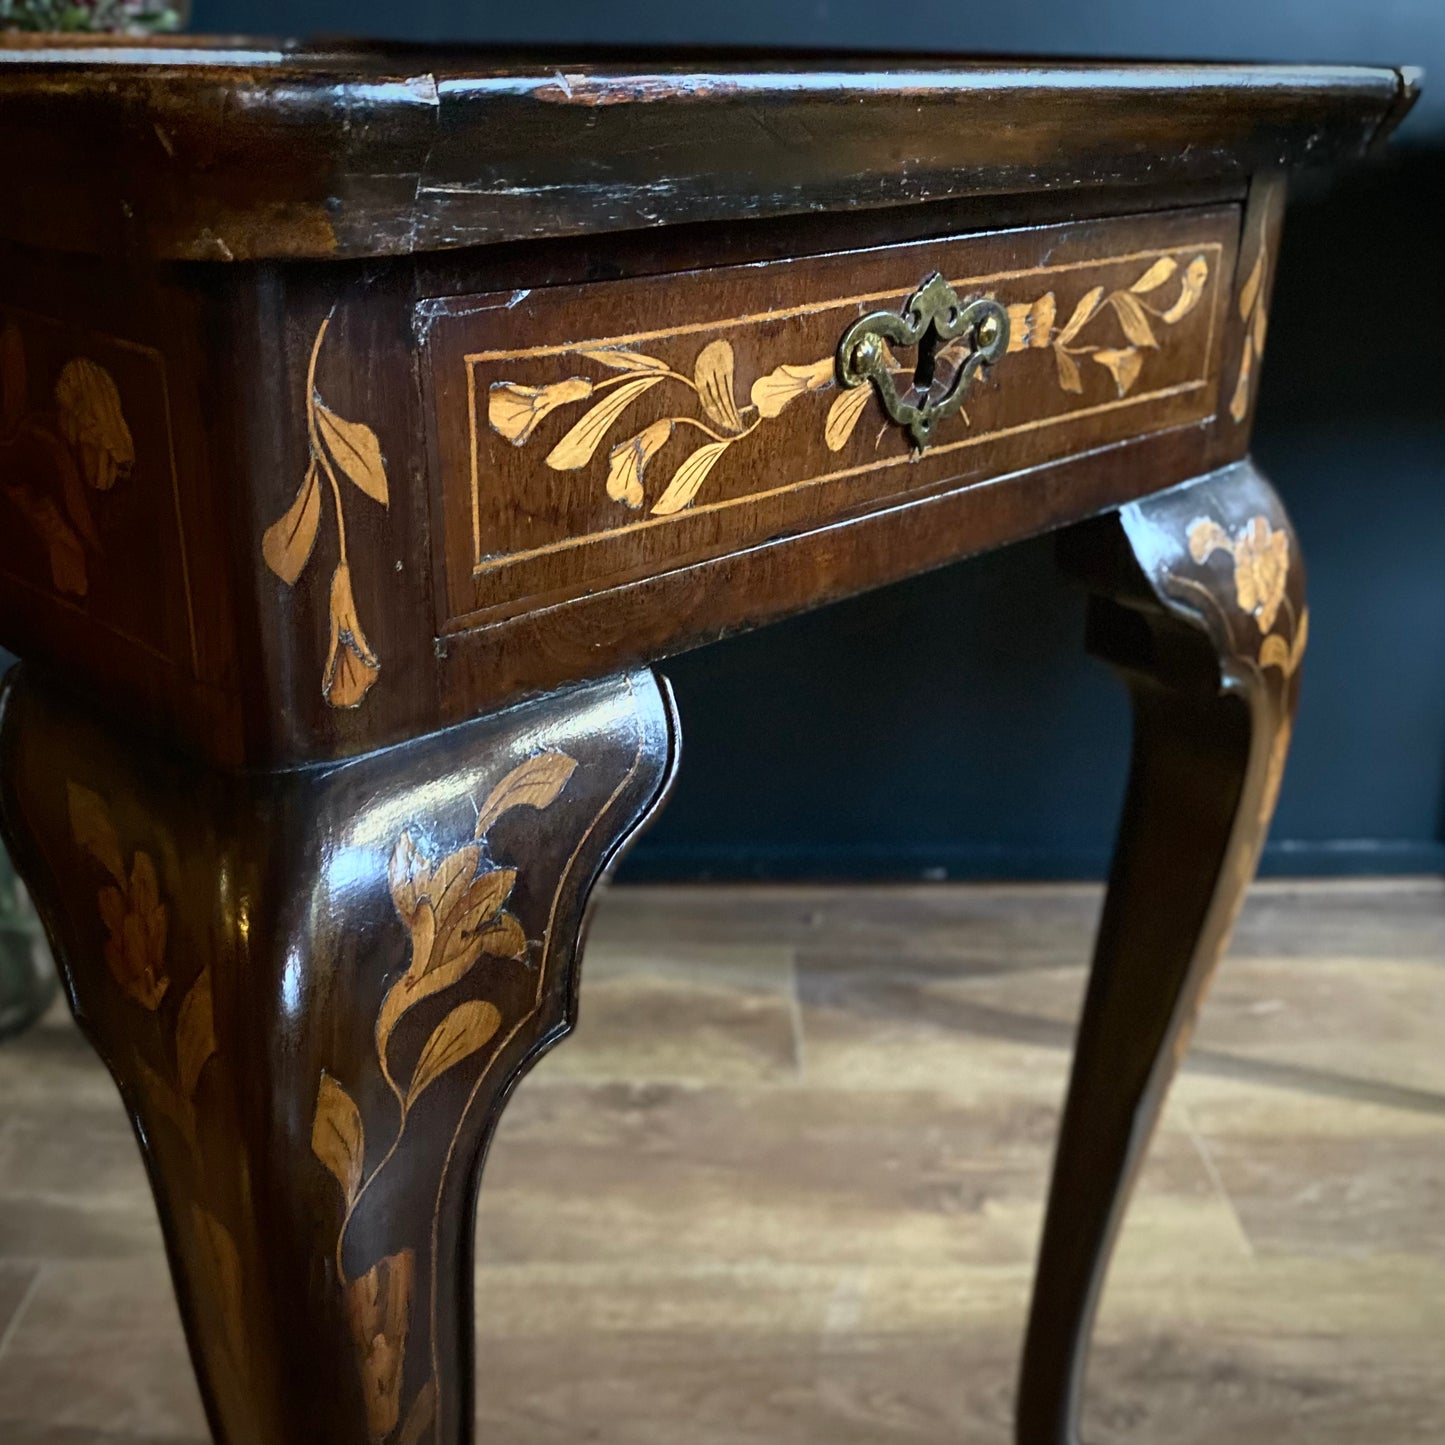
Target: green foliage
x,y
116,16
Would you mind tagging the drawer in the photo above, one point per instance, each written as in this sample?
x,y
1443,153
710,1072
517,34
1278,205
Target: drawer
x,y
584,437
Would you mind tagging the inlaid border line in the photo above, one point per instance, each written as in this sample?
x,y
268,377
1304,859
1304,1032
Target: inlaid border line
x,y
548,943
567,543
494,563
812,308
157,357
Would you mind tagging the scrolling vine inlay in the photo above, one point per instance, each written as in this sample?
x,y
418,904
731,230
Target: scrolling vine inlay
x,y
337,447
515,408
455,913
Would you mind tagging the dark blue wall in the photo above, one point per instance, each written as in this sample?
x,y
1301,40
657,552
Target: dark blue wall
x,y
951,725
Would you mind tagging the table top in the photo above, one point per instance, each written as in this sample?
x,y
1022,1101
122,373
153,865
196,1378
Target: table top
x,y
222,150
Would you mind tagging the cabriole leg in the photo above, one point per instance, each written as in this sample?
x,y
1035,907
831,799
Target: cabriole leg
x,y
1199,602
315,990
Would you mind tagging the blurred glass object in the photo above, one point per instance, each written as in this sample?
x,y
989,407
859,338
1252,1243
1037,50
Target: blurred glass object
x,y
115,17
27,976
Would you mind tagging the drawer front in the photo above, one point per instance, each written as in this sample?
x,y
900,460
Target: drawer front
x,y
588,436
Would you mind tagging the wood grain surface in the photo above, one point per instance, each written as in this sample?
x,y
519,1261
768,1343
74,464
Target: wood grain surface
x,y
1199,602
191,147
588,436
675,1205
296,529
345,396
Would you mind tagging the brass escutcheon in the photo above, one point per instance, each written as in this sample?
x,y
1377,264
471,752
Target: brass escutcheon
x,y
933,314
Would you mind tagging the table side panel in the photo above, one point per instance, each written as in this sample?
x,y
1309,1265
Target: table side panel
x,y
112,546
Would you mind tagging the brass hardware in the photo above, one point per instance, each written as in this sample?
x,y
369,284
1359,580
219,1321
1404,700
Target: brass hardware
x,y
933,314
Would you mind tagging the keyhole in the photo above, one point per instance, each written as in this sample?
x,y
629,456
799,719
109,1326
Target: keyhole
x,y
923,372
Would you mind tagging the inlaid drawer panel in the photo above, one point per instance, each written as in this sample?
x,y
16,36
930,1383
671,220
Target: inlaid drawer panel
x,y
588,436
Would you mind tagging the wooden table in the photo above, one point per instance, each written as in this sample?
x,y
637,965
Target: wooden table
x,y
374,419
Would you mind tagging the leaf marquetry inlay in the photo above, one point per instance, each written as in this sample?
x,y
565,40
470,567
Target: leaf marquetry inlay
x,y
171,1057
455,912
717,419
337,448
1253,304
54,454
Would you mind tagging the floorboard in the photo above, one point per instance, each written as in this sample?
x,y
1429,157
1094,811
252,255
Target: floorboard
x,y
784,1186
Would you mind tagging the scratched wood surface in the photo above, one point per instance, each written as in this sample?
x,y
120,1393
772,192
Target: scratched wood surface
x,y
675,1204
192,148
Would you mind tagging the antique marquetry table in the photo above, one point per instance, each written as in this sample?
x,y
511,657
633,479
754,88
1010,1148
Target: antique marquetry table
x,y
372,420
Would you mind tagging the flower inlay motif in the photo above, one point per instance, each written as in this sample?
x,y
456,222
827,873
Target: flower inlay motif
x,y
51,456
718,419
454,909
1261,558
338,448
170,1069
1254,312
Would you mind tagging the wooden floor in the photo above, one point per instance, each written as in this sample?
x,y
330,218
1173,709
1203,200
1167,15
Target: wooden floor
x,y
784,1187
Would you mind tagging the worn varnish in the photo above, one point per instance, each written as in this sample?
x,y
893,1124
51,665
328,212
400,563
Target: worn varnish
x,y
194,157
372,419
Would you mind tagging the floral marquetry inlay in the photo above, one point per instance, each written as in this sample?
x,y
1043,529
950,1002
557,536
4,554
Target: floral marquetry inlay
x,y
129,902
53,454
454,909
700,435
1261,557
594,435
1253,305
171,1059
1136,308
514,411
93,453
337,448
